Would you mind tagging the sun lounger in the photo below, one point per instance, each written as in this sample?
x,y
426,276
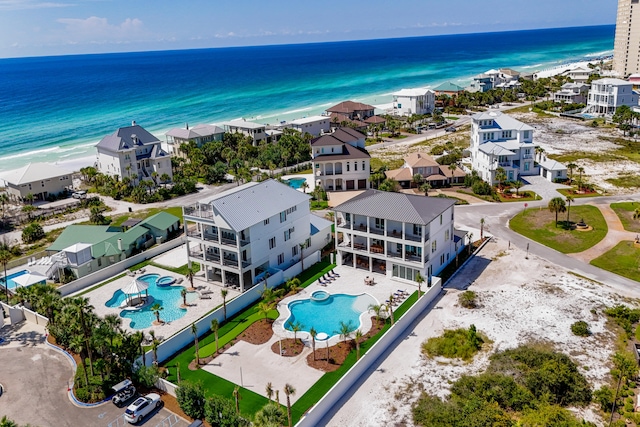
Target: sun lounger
x,y
205,296
334,273
206,292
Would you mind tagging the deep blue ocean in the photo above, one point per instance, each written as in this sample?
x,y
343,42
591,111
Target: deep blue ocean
x,y
56,108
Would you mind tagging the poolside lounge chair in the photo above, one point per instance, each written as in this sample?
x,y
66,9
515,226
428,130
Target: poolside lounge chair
x,y
204,296
334,273
322,282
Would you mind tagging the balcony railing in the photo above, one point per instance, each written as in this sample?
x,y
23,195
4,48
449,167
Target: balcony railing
x,y
394,254
377,231
413,258
212,237
394,233
229,242
230,263
244,242
198,255
213,258
199,211
413,238
246,263
344,224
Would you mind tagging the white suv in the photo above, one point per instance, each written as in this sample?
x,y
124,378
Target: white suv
x,y
142,407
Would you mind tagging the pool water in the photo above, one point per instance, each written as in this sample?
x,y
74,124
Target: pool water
x,y
167,296
10,282
325,315
295,182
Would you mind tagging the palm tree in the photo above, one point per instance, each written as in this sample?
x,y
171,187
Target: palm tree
x,y
303,246
580,171
289,390
269,390
296,327
481,228
417,179
194,331
191,272
389,308
154,346
113,322
345,330
237,397
571,166
224,293
420,281
452,168
183,294
501,176
156,309
569,200
358,336
425,188
82,307
77,345
264,308
313,334
377,309
636,215
6,422
470,242
557,205
517,185
5,257
215,325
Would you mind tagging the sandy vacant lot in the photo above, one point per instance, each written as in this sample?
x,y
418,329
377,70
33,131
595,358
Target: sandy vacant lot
x,y
522,301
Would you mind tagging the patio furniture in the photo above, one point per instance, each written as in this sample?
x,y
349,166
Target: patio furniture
x,y
335,274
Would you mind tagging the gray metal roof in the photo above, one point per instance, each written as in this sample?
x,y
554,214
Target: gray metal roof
x,y
495,149
401,207
34,172
503,121
254,202
127,138
195,132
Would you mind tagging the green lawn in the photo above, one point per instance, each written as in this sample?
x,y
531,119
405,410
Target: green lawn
x,y
252,402
565,192
531,197
623,259
625,211
625,180
539,225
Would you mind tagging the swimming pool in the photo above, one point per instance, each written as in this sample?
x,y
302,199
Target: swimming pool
x,y
167,296
10,282
295,182
324,311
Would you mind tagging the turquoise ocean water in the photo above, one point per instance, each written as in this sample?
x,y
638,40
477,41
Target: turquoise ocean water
x,y
56,108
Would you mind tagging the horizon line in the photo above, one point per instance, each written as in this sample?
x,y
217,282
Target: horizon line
x,y
249,46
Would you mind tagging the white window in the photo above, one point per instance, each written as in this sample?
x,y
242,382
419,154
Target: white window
x,y
446,234
440,219
294,251
272,243
266,221
417,230
527,165
526,134
281,259
283,217
434,246
380,223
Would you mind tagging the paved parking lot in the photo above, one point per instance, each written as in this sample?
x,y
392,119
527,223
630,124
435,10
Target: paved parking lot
x,y
35,380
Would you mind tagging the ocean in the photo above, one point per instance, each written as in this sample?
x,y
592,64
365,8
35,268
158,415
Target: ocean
x,y
55,109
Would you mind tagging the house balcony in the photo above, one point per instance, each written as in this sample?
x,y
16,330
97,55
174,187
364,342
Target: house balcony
x,y
244,242
394,255
211,237
504,164
230,263
212,258
196,255
413,238
397,234
527,156
344,224
377,231
246,264
376,249
228,242
413,258
198,211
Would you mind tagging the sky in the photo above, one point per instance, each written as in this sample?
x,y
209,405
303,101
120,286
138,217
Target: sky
x,y
62,27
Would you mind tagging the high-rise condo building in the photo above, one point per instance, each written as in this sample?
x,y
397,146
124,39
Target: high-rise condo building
x,y
626,55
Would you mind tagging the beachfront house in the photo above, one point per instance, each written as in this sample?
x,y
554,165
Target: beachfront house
x,y
428,170
579,74
41,180
314,125
500,141
340,161
413,101
352,110
494,79
608,94
448,88
198,135
572,93
396,234
255,131
253,231
132,152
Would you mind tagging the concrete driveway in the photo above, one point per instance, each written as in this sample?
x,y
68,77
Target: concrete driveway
x,y
542,187
35,380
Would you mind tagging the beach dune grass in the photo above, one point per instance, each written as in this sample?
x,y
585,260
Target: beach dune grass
x,y
621,260
540,225
625,211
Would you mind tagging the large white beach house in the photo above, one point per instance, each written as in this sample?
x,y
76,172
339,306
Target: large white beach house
x,y
239,235
132,152
606,95
413,101
396,234
500,141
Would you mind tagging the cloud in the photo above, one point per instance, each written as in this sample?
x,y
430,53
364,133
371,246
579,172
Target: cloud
x,y
99,30
30,4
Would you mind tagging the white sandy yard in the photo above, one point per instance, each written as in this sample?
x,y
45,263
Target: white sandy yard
x,y
522,301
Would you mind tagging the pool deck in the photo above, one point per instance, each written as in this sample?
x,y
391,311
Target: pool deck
x,y
197,308
310,181
259,365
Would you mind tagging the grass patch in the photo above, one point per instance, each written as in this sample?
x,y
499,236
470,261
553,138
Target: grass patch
x,y
627,180
301,172
567,192
478,196
377,163
530,197
622,260
625,211
539,225
576,156
454,344
452,118
317,205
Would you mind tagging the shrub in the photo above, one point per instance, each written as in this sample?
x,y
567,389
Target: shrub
x,y
437,150
467,299
190,397
624,316
482,188
32,233
147,376
458,343
581,329
222,412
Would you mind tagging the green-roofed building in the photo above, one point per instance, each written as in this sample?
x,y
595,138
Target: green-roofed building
x,y
162,225
448,88
83,234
